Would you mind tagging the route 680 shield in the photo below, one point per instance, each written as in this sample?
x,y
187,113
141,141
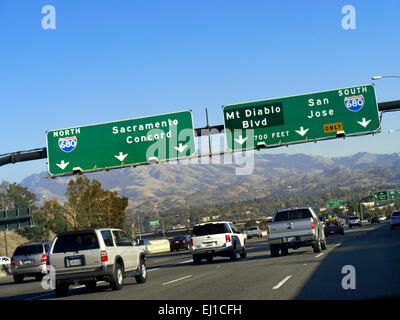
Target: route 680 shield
x,y
67,144
354,103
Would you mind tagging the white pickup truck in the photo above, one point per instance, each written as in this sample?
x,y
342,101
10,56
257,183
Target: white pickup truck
x,y
294,228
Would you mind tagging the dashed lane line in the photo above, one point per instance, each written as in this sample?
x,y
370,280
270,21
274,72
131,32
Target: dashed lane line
x,y
281,283
176,280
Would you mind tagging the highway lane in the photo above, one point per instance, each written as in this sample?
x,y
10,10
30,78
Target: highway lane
x,y
301,274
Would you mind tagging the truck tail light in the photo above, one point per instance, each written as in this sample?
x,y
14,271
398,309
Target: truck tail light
x,y
104,257
191,242
12,262
312,224
44,258
183,242
227,238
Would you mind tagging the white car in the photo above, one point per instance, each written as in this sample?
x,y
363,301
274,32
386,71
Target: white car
x,y
395,219
5,261
354,221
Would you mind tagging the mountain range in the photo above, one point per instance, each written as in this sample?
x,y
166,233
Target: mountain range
x,y
169,186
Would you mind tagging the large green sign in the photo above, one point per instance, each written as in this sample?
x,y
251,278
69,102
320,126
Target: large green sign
x,y
120,143
302,118
386,195
336,203
15,219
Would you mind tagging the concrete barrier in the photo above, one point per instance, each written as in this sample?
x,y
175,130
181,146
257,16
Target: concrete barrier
x,y
158,246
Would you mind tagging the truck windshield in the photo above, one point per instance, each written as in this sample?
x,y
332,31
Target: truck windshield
x,y
292,215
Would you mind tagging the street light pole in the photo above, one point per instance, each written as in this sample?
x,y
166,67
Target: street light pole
x,y
381,77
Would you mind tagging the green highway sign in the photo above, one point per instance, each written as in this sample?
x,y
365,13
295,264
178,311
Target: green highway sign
x,y
336,203
120,143
386,195
301,118
381,196
154,223
394,194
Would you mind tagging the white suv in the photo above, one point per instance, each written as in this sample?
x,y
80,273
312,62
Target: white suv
x,y
395,219
216,239
253,232
91,255
354,221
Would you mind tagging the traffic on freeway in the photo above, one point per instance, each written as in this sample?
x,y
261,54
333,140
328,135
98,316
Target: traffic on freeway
x,y
347,269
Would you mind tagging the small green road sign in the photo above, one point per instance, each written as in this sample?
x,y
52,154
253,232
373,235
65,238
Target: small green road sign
x,y
154,223
336,203
302,118
381,196
121,143
393,194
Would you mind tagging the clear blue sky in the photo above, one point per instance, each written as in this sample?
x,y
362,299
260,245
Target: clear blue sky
x,y
112,60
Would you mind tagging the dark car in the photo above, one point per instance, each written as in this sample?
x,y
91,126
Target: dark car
x,y
375,220
333,228
181,242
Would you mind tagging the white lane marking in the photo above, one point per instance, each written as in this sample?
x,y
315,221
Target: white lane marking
x,y
280,284
148,270
185,277
318,255
187,261
83,286
41,296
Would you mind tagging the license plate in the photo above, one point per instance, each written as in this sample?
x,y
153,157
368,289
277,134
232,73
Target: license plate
x,y
75,262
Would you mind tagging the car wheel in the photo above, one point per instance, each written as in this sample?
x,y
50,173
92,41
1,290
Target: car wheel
x,y
317,246
284,250
209,259
142,276
18,279
243,253
349,226
91,285
234,253
39,277
61,289
117,279
323,245
274,249
196,259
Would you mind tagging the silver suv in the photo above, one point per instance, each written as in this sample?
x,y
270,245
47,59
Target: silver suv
x,y
29,260
91,255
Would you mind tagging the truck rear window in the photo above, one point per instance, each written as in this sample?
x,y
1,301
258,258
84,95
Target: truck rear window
x,y
292,215
76,242
207,229
28,250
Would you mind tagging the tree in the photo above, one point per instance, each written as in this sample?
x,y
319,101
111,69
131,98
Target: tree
x,y
91,206
15,196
